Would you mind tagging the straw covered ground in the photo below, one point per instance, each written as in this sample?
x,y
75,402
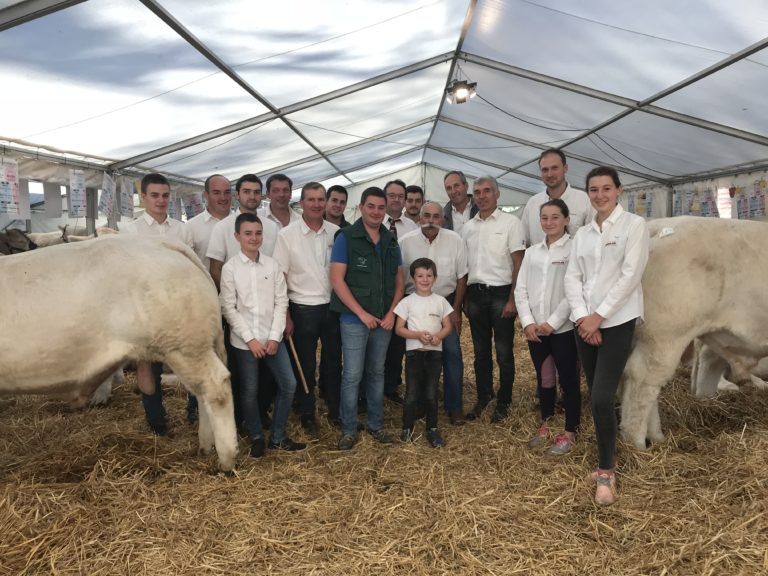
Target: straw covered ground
x,y
93,492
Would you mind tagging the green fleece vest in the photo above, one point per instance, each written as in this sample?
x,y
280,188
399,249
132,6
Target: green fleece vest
x,y
370,277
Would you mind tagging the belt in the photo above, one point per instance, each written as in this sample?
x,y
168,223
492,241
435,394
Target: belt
x,y
487,288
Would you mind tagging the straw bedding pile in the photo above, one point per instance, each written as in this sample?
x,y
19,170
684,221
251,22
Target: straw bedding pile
x,y
93,492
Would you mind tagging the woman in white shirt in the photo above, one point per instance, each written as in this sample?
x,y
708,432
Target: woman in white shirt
x,y
544,311
603,288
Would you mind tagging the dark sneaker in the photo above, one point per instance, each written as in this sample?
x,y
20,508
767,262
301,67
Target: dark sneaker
x,y
309,426
475,413
500,413
406,435
435,440
346,442
457,418
257,447
381,436
287,444
395,398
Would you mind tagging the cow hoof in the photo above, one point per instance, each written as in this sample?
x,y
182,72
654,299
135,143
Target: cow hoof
x,y
758,383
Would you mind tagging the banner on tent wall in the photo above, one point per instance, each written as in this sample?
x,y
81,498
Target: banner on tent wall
x,y
107,199
193,204
640,203
695,203
126,197
750,200
76,197
174,206
9,187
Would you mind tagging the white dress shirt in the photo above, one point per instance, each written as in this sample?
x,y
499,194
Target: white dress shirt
x,y
254,299
305,257
579,207
265,213
540,289
423,314
447,251
222,244
490,244
403,225
145,225
460,218
200,227
606,267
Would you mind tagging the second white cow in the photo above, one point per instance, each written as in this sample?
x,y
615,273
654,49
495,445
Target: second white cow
x,y
706,278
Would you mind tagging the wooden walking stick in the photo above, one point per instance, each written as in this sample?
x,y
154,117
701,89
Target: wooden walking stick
x,y
298,364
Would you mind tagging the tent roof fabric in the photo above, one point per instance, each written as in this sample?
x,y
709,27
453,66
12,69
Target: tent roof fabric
x,y
345,92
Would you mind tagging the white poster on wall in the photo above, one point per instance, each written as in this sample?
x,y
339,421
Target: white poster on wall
x,y
126,197
174,206
76,196
9,187
107,199
193,204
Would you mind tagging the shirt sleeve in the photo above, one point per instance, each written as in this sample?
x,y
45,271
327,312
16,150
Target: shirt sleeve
x,y
462,266
339,251
515,238
282,255
521,293
635,258
228,299
574,282
217,244
447,308
559,315
281,305
401,309
526,226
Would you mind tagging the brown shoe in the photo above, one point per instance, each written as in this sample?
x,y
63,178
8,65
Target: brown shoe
x,y
457,418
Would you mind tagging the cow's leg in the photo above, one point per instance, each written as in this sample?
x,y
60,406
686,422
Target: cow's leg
x,y
208,379
649,367
708,368
103,393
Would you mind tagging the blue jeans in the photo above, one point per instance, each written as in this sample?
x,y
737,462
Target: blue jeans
x,y
248,368
484,307
453,374
364,351
313,324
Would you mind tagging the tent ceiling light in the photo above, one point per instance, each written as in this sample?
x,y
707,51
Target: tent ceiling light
x,y
460,91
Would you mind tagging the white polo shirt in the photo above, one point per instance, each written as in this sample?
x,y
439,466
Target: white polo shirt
x,y
200,227
145,225
254,299
403,226
222,244
424,314
605,269
305,257
447,251
490,244
579,207
460,218
265,213
540,289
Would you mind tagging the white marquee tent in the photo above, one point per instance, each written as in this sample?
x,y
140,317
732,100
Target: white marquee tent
x,y
669,93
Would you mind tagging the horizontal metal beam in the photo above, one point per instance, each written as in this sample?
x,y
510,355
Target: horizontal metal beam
x,y
297,107
633,105
545,147
345,147
22,12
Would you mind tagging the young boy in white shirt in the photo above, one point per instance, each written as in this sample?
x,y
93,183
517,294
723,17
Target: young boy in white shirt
x,y
254,300
423,319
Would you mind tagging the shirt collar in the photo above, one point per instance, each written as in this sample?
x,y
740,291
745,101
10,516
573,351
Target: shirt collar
x,y
245,260
493,215
305,229
152,222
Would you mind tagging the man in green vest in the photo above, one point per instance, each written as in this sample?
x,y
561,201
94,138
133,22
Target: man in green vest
x,y
367,281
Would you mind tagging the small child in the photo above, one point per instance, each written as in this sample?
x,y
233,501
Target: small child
x,y
254,300
423,319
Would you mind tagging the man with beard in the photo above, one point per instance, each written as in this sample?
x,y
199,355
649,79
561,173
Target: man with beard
x,y
447,250
336,203
414,200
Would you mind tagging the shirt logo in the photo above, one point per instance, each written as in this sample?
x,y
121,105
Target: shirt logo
x,y
362,261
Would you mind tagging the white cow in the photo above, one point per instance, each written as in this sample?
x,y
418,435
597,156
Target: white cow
x,y
105,302
706,278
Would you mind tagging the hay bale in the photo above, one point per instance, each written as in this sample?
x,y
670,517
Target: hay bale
x,y
93,492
